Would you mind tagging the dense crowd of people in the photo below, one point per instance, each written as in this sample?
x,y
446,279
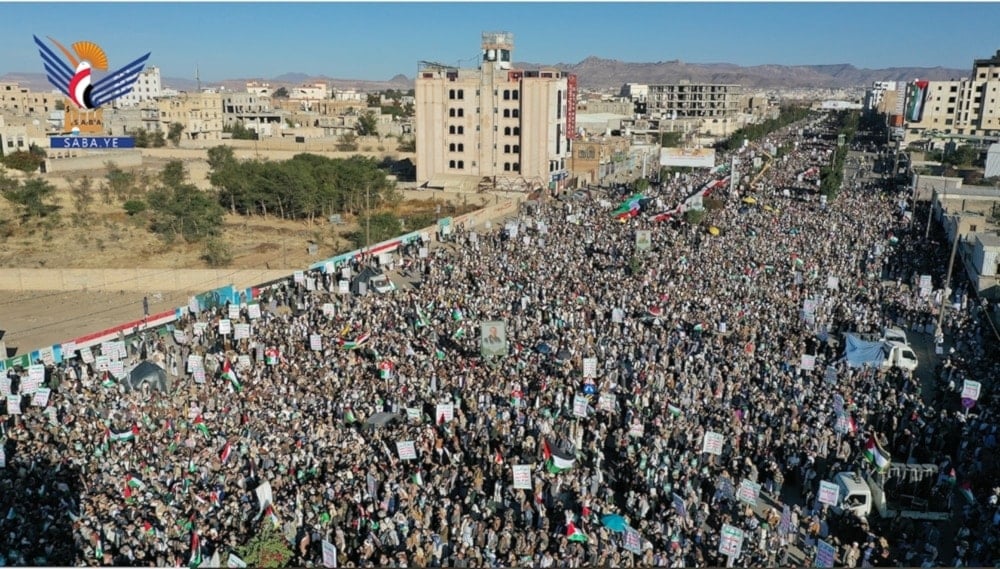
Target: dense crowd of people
x,y
702,334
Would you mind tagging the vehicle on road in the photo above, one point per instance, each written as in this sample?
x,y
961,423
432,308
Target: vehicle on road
x,y
382,284
908,490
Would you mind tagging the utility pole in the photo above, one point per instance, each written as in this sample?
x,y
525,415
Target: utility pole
x,y
930,211
947,285
368,216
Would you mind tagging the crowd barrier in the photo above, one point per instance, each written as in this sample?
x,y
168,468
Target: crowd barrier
x,y
54,354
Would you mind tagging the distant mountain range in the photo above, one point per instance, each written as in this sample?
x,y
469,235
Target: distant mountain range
x,y
598,73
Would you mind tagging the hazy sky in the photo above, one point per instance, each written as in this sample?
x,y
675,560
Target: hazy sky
x,y
378,40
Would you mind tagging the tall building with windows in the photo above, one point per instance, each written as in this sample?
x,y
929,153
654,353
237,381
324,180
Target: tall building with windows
x,y
509,127
147,87
694,100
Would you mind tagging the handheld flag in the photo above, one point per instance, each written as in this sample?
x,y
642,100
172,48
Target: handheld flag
x,y
876,455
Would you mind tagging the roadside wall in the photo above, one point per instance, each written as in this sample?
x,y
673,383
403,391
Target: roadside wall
x,y
134,280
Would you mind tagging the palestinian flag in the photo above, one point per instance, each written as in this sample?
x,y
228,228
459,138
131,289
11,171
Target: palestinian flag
x,y
199,423
557,461
349,416
573,533
229,372
272,517
439,354
385,370
227,450
106,440
129,497
456,315
134,482
148,530
357,342
459,334
966,491
108,382
99,550
876,455
125,436
215,497
195,560
417,479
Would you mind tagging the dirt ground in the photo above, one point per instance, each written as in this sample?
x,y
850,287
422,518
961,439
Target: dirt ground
x,y
109,238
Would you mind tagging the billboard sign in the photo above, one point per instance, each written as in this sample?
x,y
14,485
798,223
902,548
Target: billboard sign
x,y
688,157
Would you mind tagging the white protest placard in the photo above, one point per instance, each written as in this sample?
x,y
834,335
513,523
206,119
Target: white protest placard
x,y
299,277
199,375
4,386
47,356
235,562
826,554
108,349
344,287
86,355
522,476
423,253
829,493
37,371
808,362
29,385
265,497
413,415
748,492
329,309
731,541
234,311
832,283
617,315
241,331
200,328
225,326
636,430
589,368
117,368
315,342
41,398
345,273
195,362
13,404
253,311
50,413
329,554
102,363
579,406
406,450
971,389
193,305
310,284
713,443
831,375
243,361
606,402
68,350
180,336
633,541
445,411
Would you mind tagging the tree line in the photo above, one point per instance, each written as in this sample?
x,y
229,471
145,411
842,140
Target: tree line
x,y
752,132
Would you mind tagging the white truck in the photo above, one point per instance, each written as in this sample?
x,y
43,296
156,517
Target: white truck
x,y
907,490
898,354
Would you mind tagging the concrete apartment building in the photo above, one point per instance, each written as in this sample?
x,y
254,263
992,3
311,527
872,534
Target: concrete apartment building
x,y
690,100
252,111
508,127
200,113
595,160
147,87
21,101
968,107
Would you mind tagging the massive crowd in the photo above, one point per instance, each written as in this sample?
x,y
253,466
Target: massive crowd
x,y
700,334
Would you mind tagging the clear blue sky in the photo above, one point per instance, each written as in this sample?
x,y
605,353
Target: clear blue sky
x,y
378,40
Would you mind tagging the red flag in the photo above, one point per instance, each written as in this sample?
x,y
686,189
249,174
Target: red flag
x,y
546,451
441,419
226,451
499,457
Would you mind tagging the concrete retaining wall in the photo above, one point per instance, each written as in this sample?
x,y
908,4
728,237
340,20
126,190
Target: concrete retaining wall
x,y
133,280
95,160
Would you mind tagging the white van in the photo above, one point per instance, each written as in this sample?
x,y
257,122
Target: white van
x,y
897,354
894,334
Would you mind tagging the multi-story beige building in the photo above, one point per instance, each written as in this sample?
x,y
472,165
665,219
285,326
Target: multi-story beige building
x,y
509,126
200,113
595,160
688,99
969,107
21,101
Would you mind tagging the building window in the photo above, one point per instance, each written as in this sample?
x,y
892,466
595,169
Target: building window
x,y
461,112
506,94
559,104
451,163
461,164
461,147
506,166
506,113
516,167
516,149
451,112
517,131
506,149
451,129
514,113
461,94
451,147
513,94
451,94
461,130
506,131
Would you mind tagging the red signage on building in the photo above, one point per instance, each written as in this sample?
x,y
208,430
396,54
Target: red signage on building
x,y
571,107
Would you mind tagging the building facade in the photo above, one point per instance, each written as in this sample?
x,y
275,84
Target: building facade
x,y
147,87
21,101
199,113
508,125
689,100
